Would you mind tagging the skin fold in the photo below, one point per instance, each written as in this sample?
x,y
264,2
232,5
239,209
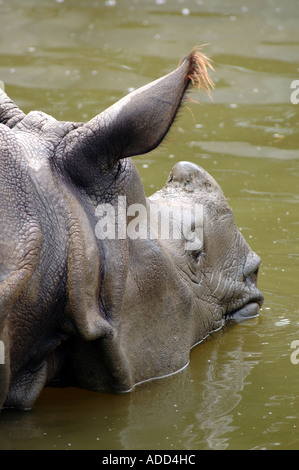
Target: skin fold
x,y
79,309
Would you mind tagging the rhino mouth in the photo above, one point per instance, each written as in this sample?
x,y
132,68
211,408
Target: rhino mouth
x,y
247,310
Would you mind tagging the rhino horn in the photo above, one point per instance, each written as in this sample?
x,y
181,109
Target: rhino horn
x,y
134,125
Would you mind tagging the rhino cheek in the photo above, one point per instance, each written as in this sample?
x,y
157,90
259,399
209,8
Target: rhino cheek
x,y
156,321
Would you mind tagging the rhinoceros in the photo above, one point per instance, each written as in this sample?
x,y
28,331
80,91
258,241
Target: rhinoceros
x,y
91,294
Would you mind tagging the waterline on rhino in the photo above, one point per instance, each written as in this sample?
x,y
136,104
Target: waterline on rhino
x,y
209,335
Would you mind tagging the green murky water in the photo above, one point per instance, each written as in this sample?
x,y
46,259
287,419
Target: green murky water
x,y
72,59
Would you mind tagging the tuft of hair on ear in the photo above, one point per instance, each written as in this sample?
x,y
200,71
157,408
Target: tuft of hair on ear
x,y
198,72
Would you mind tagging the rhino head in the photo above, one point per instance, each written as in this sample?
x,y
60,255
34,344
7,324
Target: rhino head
x,y
95,291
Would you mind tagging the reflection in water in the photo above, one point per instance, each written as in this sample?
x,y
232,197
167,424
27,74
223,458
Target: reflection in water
x,y
196,407
226,375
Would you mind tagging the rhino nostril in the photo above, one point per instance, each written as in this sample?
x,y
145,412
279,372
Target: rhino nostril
x,y
251,268
252,277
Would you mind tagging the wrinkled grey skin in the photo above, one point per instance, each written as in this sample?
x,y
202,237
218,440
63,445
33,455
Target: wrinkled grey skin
x,y
106,314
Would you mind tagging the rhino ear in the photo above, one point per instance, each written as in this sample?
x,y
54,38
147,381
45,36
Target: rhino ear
x,y
134,125
10,113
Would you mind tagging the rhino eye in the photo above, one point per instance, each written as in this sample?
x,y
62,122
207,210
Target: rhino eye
x,y
194,260
196,254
